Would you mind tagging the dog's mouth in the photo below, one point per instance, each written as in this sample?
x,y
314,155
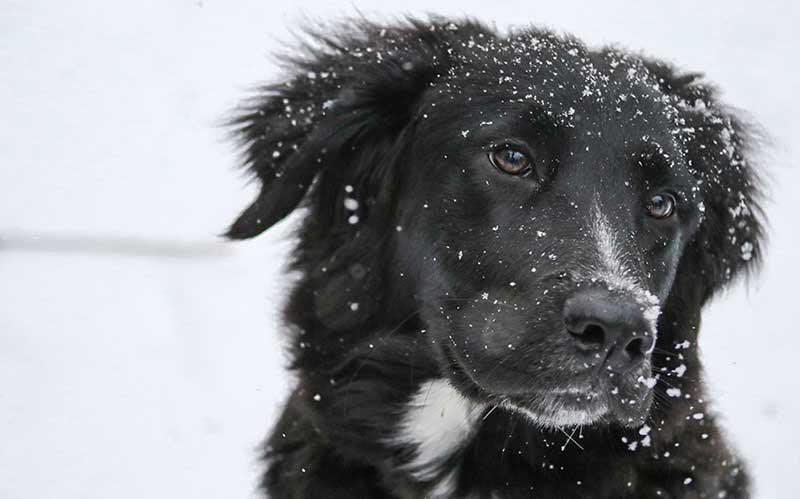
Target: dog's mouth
x,y
598,401
461,379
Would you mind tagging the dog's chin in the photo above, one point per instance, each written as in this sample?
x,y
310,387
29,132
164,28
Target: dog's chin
x,y
556,409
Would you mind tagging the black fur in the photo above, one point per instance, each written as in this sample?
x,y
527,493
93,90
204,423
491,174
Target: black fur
x,y
399,118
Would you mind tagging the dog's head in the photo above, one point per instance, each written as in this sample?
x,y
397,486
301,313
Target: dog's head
x,y
549,211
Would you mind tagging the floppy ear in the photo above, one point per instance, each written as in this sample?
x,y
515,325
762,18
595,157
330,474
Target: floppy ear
x,y
718,149
349,92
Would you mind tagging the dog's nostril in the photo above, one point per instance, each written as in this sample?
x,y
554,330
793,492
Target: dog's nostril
x,y
635,348
591,335
607,328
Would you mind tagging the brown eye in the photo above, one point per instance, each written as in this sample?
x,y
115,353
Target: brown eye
x,y
511,160
661,205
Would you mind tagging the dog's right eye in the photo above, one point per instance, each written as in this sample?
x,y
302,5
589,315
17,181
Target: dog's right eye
x,y
661,205
511,160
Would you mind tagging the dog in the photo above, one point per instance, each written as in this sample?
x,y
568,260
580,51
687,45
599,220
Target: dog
x,y
506,245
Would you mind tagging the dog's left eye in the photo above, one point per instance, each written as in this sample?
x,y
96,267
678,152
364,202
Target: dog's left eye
x,y
511,160
661,205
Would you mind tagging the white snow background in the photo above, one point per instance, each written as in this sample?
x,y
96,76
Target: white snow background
x,y
140,356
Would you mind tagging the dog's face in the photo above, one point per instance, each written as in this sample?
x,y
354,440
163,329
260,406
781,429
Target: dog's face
x,y
546,216
540,203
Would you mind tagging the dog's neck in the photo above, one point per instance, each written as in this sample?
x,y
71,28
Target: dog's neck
x,y
438,424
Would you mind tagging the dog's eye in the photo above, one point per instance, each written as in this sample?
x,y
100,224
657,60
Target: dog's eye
x,y
511,160
662,205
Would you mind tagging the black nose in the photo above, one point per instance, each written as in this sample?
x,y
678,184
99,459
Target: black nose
x,y
610,327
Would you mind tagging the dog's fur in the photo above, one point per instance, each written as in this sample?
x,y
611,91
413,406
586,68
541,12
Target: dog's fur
x,y
427,332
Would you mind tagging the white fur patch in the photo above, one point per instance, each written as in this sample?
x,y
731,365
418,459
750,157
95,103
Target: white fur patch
x,y
438,422
615,273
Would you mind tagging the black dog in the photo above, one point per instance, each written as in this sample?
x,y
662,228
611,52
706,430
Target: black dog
x,y
508,244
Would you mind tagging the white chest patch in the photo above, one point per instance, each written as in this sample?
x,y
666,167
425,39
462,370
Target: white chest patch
x,y
437,423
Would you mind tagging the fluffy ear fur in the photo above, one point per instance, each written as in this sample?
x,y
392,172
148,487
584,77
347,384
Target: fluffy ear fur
x,y
333,135
359,87
718,147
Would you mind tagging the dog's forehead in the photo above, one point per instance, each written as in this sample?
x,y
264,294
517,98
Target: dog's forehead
x,y
564,79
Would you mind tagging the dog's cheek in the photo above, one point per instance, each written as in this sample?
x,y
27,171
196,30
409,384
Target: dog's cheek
x,y
503,348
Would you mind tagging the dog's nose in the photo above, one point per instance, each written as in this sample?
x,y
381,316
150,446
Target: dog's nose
x,y
610,327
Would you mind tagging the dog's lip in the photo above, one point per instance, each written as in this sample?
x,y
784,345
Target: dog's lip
x,y
570,391
457,370
589,395
587,411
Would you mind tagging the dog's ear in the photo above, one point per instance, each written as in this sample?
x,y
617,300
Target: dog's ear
x,y
350,92
719,150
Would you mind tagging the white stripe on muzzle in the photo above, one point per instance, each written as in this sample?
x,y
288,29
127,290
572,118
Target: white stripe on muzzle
x,y
613,271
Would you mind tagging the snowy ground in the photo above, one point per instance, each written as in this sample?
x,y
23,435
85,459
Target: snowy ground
x,y
139,356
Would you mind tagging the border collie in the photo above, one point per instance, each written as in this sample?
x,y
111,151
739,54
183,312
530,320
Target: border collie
x,y
506,245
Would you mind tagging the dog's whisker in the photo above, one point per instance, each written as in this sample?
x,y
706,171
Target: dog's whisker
x,y
570,439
